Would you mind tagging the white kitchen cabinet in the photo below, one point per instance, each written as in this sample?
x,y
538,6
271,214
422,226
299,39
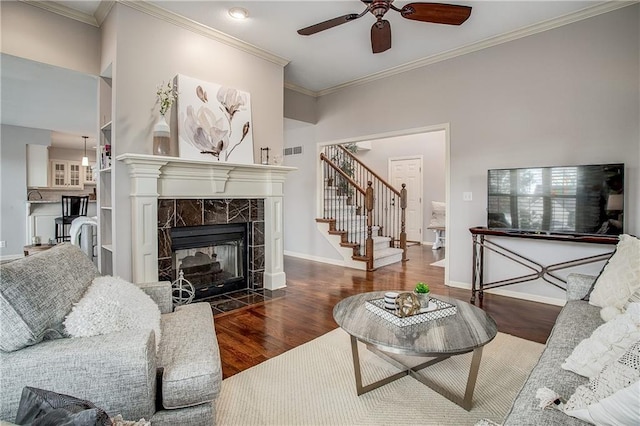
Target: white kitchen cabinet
x,y
37,166
66,174
88,177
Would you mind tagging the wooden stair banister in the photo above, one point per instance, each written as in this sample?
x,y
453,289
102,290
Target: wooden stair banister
x,y
369,208
382,209
337,169
377,176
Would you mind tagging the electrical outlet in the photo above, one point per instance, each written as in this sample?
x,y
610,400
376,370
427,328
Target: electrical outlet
x,y
467,196
3,244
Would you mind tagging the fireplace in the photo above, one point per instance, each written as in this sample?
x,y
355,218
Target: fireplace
x,y
221,240
170,192
213,258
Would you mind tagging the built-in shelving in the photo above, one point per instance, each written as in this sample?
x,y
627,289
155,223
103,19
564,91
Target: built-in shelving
x,y
106,256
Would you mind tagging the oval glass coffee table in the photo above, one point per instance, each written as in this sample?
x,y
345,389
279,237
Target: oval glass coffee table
x,y
466,330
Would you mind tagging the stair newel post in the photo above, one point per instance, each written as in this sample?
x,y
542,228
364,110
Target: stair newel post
x,y
403,234
368,203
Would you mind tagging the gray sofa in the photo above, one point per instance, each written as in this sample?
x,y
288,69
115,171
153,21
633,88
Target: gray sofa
x,y
576,321
119,372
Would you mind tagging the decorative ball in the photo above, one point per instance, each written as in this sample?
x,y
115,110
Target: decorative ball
x,y
182,291
407,304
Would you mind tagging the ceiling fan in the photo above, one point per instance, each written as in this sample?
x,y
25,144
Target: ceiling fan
x,y
438,13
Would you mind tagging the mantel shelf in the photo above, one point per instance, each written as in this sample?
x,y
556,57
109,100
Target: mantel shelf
x,y
130,158
186,178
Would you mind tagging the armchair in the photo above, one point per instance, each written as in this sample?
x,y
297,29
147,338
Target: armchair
x,y
120,372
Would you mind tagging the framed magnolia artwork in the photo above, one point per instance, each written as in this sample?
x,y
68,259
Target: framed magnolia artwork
x,y
214,122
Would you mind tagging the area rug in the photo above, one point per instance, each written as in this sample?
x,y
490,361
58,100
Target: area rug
x,y
313,384
439,263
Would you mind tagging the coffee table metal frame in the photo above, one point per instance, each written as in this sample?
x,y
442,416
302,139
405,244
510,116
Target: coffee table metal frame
x,y
387,352
465,402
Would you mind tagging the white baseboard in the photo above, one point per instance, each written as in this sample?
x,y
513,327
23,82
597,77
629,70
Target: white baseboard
x,y
336,262
514,294
459,284
11,257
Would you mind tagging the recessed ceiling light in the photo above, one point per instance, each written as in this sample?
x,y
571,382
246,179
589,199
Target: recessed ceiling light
x,y
238,13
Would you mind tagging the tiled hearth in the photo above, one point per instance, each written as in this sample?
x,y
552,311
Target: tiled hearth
x,y
177,213
241,299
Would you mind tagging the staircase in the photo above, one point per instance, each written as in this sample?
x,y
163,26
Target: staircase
x,y
364,238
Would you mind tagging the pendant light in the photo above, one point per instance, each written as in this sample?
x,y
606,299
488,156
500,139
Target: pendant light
x,y
85,159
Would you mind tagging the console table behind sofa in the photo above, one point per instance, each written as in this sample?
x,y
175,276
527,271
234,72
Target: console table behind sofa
x,y
482,241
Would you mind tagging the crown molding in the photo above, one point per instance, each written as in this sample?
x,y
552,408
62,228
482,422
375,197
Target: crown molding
x,y
60,9
160,13
103,10
300,89
580,15
175,19
196,27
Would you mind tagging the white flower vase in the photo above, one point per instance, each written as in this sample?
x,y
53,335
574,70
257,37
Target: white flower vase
x,y
161,137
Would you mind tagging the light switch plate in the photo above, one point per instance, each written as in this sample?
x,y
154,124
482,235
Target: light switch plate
x,y
467,196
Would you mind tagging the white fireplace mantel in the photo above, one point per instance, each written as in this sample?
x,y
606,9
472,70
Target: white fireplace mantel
x,y
153,177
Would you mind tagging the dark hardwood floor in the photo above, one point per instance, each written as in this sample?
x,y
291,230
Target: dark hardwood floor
x,y
256,333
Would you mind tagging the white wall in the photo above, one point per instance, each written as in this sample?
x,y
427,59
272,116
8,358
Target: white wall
x,y
33,33
13,184
300,107
149,51
562,97
301,236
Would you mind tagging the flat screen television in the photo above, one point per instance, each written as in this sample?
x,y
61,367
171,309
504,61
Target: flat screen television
x,y
585,200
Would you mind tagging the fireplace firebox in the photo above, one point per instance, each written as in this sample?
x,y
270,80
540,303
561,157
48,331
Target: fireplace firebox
x,y
212,257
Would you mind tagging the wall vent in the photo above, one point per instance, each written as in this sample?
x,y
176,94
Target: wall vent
x,y
296,150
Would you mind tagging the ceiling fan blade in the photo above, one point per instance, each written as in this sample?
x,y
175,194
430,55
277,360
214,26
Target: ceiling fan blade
x,y
438,13
328,24
381,36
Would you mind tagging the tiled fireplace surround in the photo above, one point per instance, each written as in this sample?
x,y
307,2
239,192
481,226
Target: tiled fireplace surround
x,y
177,213
170,191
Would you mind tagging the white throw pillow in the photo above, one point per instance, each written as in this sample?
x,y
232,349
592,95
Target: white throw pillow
x,y
620,277
605,344
438,214
613,396
109,305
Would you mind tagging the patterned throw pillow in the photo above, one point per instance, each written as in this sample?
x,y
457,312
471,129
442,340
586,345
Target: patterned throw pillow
x,y
612,396
620,277
605,344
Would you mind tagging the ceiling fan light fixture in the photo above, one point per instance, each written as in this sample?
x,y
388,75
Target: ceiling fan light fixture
x,y
437,13
239,13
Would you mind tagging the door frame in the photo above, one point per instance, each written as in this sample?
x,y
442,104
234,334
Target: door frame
x,y
389,174
386,135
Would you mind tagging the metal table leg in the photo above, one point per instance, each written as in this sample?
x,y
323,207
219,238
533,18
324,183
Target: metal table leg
x,y
465,402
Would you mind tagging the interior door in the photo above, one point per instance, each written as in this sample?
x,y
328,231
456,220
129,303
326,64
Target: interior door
x,y
408,170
